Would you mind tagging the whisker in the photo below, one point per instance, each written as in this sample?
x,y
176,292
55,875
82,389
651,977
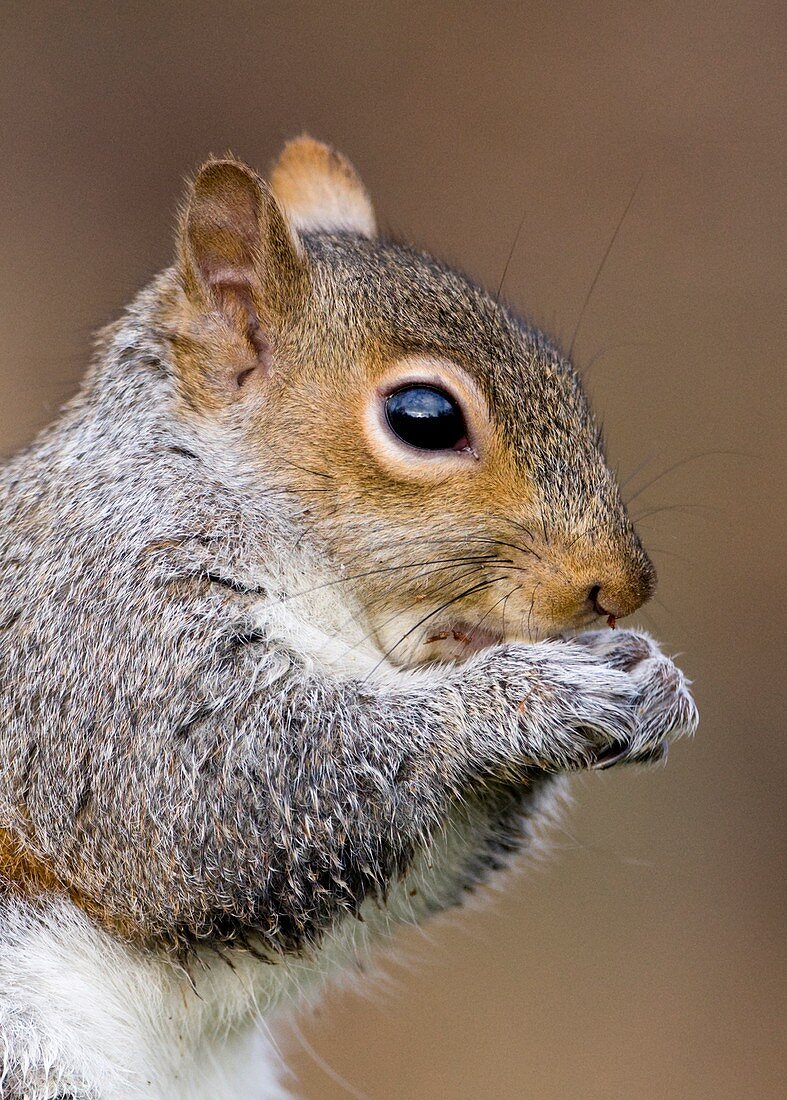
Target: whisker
x,y
690,508
295,466
601,266
610,348
509,258
530,612
403,611
508,545
505,603
293,490
678,465
448,603
661,603
454,540
585,534
670,553
310,526
521,527
622,484
439,563
503,600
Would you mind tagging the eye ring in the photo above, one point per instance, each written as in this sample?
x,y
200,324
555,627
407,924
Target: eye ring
x,y
426,417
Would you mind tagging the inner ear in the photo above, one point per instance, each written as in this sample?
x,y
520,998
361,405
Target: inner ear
x,y
236,301
240,265
223,223
223,233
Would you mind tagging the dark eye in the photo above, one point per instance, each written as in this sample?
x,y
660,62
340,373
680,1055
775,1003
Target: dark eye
x,y
427,418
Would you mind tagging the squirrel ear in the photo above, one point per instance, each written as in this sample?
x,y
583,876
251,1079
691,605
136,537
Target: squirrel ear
x,y
239,256
321,190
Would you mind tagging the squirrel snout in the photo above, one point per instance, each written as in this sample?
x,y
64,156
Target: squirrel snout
x,y
579,596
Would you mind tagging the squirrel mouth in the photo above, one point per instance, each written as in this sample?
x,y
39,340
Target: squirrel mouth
x,y
456,641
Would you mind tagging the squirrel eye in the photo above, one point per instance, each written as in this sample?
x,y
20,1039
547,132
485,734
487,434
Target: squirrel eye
x,y
427,418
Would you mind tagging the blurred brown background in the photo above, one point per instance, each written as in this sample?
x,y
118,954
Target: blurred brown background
x,y
644,959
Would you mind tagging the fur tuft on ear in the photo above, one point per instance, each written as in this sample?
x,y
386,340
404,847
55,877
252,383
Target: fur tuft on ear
x,y
321,190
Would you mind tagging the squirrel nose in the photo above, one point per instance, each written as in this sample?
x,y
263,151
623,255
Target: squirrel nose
x,y
594,599
613,602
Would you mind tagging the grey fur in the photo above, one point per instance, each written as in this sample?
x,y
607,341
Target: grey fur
x,y
180,765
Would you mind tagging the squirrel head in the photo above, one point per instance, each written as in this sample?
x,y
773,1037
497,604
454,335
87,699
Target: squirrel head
x,y
437,448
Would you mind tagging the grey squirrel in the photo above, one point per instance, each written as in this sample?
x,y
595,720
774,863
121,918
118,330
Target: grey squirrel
x,y
296,635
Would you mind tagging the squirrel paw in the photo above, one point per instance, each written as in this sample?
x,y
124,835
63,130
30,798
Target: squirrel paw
x,y
575,708
663,706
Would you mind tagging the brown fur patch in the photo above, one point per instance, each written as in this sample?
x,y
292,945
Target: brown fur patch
x,y
535,522
23,873
321,190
